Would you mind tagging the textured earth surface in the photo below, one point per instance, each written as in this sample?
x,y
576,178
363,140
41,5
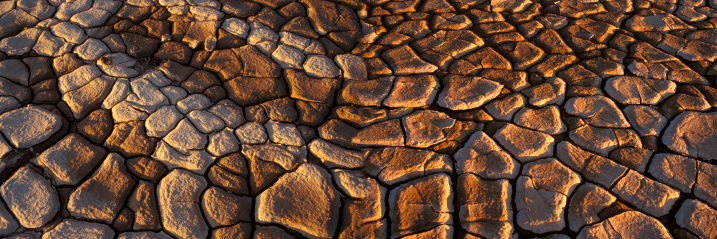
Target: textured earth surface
x,y
358,119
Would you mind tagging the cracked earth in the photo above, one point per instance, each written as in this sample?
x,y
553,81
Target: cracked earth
x,y
358,119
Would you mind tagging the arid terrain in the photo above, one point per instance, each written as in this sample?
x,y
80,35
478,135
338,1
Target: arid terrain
x,y
342,119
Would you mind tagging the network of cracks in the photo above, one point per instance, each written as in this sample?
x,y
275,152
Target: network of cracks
x,y
358,119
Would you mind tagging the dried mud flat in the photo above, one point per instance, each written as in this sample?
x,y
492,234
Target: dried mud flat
x,y
358,119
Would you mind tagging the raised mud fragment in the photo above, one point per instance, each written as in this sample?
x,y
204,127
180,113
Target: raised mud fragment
x,y
311,185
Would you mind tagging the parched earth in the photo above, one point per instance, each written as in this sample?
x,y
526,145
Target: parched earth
x,y
358,119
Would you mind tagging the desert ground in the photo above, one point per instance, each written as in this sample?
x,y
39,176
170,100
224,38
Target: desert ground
x,y
342,119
